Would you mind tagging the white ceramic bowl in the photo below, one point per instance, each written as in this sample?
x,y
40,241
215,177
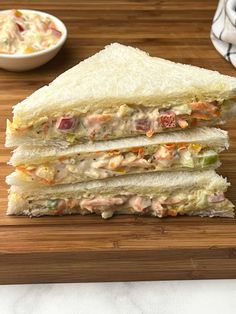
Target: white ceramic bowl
x,y
24,62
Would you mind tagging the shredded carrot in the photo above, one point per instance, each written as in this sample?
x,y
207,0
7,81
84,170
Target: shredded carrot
x,y
22,129
149,133
63,158
201,116
172,212
203,106
23,169
182,146
139,150
114,152
170,146
99,118
112,165
45,181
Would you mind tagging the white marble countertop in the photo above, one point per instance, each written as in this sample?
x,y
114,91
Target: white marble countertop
x,y
163,297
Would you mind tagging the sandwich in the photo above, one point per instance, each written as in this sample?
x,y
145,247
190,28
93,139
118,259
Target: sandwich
x,y
183,150
160,195
121,92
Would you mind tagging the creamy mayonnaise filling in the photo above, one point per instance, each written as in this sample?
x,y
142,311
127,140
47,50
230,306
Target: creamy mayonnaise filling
x,y
160,206
127,121
117,162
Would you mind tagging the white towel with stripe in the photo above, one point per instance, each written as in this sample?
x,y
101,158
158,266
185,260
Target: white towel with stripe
x,y
223,31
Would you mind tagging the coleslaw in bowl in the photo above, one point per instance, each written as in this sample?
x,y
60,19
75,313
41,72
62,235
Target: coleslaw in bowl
x,y
29,38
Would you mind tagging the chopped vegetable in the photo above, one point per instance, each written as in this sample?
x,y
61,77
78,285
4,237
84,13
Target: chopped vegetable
x,y
66,123
167,120
182,123
52,204
139,150
169,203
150,133
195,147
20,27
208,157
103,164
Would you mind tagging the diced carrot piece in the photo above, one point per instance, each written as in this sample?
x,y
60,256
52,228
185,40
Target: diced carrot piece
x,y
138,150
170,146
203,106
201,116
149,133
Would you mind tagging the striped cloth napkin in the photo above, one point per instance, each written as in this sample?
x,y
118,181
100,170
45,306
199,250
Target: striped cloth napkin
x,y
223,31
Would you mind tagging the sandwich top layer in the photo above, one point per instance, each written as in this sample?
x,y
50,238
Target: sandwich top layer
x,y
120,75
128,121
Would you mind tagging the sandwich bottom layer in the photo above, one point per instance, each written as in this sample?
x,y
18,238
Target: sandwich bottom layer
x,y
197,203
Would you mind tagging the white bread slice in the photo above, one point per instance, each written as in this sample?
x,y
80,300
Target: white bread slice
x,y
212,137
148,183
151,185
119,75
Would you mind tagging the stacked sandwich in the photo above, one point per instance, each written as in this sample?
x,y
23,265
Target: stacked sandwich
x,y
122,132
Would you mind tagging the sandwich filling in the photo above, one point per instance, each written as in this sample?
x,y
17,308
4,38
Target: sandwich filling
x,y
166,204
103,164
127,121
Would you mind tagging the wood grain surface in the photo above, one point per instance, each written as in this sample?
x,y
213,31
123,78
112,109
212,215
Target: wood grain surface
x,y
71,249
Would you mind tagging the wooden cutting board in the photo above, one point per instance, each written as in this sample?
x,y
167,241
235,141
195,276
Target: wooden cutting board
x,y
73,249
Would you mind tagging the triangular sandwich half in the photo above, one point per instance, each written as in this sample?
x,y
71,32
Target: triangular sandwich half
x,y
121,92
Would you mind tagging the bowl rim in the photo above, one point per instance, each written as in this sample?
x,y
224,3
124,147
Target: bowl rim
x,y
60,42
